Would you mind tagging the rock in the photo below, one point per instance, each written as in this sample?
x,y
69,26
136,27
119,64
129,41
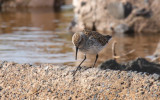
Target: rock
x,y
156,76
143,12
123,28
139,65
1,88
116,9
111,64
119,10
108,15
70,98
142,65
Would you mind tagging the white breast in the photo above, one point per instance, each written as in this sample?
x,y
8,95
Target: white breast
x,y
91,46
94,49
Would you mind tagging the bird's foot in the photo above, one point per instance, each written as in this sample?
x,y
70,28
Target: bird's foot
x,y
78,68
88,68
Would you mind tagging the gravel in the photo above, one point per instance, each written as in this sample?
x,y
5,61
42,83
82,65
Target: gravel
x,y
47,81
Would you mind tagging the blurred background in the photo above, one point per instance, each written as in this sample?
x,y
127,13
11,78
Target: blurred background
x,y
40,31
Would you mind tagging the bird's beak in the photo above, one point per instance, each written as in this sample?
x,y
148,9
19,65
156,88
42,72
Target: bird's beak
x,y
76,52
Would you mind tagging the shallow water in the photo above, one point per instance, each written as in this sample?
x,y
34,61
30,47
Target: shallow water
x,y
36,36
40,36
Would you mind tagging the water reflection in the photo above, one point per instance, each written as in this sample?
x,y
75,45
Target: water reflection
x,y
36,36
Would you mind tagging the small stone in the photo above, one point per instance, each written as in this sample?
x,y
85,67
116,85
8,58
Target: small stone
x,y
118,76
70,98
106,98
145,73
95,97
135,72
49,90
122,28
155,95
142,92
46,68
156,76
129,74
140,73
136,90
147,81
122,83
117,95
101,91
83,3
72,92
1,88
128,91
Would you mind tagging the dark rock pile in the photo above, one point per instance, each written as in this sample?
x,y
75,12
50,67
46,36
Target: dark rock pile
x,y
139,65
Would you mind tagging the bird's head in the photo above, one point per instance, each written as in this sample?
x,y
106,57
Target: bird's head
x,y
77,40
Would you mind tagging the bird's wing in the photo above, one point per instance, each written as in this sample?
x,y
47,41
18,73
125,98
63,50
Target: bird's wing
x,y
97,36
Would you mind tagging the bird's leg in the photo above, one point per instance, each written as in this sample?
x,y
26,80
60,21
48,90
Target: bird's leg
x,y
82,60
95,60
79,66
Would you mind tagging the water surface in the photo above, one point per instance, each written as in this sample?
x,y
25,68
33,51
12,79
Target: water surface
x,y
36,36
40,36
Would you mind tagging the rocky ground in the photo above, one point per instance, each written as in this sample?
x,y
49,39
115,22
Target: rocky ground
x,y
47,81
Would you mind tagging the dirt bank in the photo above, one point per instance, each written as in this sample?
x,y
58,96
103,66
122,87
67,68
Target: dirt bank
x,y
47,81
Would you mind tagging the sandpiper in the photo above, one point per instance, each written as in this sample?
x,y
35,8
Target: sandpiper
x,y
89,42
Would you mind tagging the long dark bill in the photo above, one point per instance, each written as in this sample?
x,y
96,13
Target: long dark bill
x,y
76,52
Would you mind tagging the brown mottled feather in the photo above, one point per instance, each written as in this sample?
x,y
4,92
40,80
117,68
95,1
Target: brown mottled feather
x,y
101,38
75,39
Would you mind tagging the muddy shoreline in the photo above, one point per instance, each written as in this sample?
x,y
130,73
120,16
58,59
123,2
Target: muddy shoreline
x,y
47,81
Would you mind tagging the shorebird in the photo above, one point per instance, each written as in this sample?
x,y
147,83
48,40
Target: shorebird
x,y
89,42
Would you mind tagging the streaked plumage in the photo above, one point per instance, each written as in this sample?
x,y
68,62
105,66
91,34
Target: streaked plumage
x,y
89,42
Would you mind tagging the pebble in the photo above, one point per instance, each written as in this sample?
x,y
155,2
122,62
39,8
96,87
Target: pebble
x,y
70,98
129,74
72,92
95,97
156,76
137,90
140,73
49,90
118,76
106,98
1,88
142,92
135,72
117,95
